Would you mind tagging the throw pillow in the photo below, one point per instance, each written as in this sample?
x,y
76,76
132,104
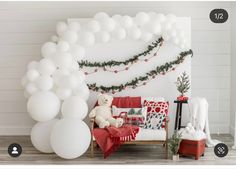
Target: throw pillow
x,y
160,107
133,116
155,121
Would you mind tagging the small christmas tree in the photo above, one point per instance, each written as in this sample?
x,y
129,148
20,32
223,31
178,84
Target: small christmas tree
x,y
174,143
182,83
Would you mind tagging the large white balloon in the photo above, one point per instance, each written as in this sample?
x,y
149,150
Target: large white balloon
x,y
82,91
77,51
63,46
93,26
46,67
32,75
58,74
141,18
31,88
61,27
63,93
32,65
69,36
74,107
44,82
119,33
70,138
40,135
101,15
48,49
102,36
63,60
74,26
86,38
43,106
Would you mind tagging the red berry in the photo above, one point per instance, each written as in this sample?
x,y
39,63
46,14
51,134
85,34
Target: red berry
x,y
153,77
113,92
144,83
86,73
127,68
95,70
146,60
104,69
116,71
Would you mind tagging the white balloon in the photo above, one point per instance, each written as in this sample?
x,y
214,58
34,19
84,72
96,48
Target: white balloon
x,y
119,33
32,75
79,75
32,65
63,46
152,15
48,49
77,51
54,38
161,17
46,67
93,26
69,36
43,106
74,107
31,88
146,36
101,15
63,93
171,18
107,24
74,26
74,65
69,81
134,32
44,82
117,18
82,91
61,27
126,21
62,59
102,36
70,138
141,18
24,81
58,74
86,38
40,135
153,27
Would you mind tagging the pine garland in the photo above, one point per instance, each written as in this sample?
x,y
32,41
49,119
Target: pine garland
x,y
112,63
160,70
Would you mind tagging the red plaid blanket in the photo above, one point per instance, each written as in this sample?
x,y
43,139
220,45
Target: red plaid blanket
x,y
110,138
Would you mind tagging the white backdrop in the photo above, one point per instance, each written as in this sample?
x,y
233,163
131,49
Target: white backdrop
x,y
161,86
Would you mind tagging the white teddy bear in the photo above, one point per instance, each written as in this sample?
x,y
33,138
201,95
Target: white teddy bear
x,y
102,113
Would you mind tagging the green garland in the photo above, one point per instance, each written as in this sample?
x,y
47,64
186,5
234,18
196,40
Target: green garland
x,y
160,70
112,63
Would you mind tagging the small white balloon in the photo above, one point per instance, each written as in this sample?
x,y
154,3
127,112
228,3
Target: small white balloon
x,y
63,93
134,33
152,15
153,27
32,75
70,138
82,91
102,36
63,46
54,38
48,49
46,67
74,26
77,51
32,65
86,38
126,21
43,106
107,24
101,15
40,135
161,17
119,33
74,107
58,74
146,36
69,81
61,27
117,18
24,81
93,26
44,83
63,60
69,36
31,88
141,18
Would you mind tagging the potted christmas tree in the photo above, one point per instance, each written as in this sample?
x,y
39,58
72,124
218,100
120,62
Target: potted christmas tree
x,y
183,85
174,143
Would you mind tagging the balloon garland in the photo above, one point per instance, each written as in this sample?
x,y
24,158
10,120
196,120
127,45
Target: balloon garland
x,y
55,87
143,80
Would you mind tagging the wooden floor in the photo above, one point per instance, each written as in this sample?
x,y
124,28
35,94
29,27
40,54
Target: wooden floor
x,y
127,154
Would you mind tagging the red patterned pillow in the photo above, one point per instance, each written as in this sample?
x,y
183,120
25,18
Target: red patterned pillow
x,y
159,107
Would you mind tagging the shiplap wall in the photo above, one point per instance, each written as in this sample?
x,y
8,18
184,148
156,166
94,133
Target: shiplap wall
x,y
25,26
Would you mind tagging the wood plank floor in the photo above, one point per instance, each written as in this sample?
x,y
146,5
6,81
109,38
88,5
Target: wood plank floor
x,y
127,154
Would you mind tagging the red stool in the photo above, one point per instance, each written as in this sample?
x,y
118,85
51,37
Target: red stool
x,y
192,148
